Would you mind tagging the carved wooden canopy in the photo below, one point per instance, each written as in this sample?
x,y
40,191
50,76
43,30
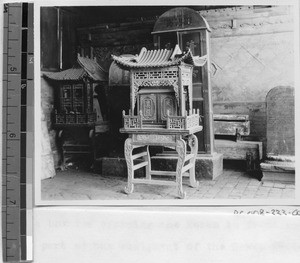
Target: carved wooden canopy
x,y
160,67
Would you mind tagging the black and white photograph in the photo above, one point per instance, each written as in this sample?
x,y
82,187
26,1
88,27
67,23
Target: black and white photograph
x,y
161,131
175,103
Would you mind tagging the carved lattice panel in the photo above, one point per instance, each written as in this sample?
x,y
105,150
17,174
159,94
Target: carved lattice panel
x,y
156,74
176,123
131,123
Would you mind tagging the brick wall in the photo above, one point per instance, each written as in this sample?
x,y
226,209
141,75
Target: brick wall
x,y
251,52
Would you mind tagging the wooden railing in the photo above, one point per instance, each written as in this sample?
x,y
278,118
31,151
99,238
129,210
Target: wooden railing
x,y
74,118
190,120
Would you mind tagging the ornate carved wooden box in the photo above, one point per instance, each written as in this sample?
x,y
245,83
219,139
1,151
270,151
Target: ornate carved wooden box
x,y
161,111
161,90
76,107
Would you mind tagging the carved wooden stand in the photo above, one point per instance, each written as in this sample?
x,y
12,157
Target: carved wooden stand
x,y
161,113
185,163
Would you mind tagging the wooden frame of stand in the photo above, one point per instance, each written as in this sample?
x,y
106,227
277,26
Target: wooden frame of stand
x,y
185,163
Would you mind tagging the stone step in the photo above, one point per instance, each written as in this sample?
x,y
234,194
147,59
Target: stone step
x,y
274,171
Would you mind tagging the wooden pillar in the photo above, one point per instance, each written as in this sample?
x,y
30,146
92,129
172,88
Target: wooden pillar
x,y
208,129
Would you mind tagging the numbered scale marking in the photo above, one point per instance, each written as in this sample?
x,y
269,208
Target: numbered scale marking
x,y
17,132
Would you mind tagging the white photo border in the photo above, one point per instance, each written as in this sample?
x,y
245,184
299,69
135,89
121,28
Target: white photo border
x,y
38,201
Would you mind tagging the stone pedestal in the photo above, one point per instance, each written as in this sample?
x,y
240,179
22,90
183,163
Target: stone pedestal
x,y
275,171
209,166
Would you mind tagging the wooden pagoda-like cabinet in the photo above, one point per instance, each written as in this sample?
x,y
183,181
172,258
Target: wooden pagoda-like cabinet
x,y
161,113
76,114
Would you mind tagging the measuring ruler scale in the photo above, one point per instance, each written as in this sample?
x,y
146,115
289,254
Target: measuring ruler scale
x,y
17,132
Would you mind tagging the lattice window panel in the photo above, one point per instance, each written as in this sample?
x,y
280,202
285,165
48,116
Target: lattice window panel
x,y
81,118
176,123
147,75
170,74
60,118
131,123
70,118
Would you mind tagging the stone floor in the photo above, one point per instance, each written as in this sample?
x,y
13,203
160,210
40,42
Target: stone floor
x,y
234,183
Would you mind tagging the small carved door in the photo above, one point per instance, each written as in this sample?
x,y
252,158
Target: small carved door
x,y
148,107
167,103
72,98
155,105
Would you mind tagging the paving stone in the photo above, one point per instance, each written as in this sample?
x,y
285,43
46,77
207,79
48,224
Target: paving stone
x,y
231,184
264,189
241,186
292,196
248,196
260,197
251,188
276,190
221,196
81,185
213,190
290,186
233,177
197,195
203,189
262,193
274,196
220,183
234,197
237,192
209,196
224,193
254,183
279,185
288,193
267,184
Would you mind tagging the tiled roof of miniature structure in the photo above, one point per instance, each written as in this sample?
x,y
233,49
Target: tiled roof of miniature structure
x,y
159,58
95,71
89,68
68,74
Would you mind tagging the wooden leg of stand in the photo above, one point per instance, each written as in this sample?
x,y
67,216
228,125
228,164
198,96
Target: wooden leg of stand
x,y
128,147
148,167
193,143
181,150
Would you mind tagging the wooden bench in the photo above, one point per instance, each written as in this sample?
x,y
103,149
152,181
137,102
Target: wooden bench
x,y
230,134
